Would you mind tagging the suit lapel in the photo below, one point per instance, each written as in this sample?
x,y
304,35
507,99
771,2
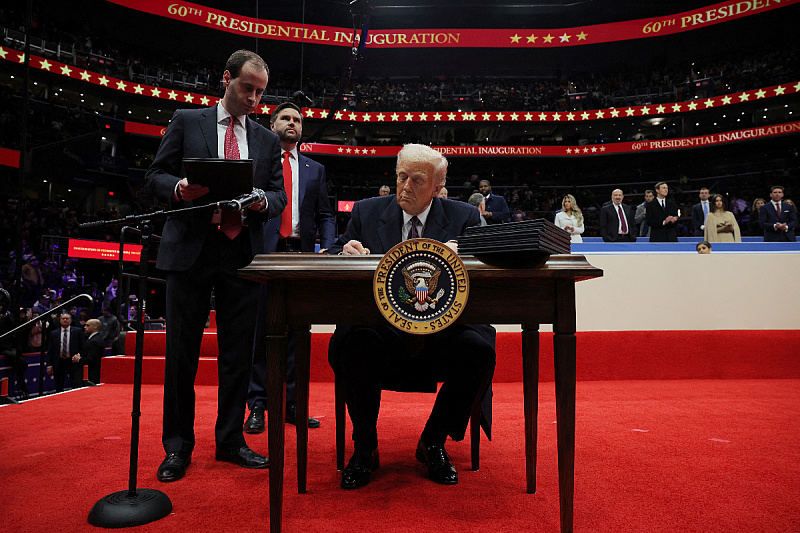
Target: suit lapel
x,y
390,226
254,143
435,225
303,169
208,125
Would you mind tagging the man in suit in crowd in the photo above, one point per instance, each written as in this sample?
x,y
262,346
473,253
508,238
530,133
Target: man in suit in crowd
x,y
662,216
308,211
644,229
93,351
369,358
384,191
496,209
202,252
65,342
699,213
778,218
617,220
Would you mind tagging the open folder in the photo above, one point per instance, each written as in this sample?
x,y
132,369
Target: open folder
x,y
225,178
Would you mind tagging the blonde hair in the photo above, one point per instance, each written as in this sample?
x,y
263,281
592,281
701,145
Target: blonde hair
x,y
576,211
419,153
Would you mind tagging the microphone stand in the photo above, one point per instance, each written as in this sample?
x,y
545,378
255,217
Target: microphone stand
x,y
135,507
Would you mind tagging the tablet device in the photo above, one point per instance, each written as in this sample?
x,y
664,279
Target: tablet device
x,y
225,178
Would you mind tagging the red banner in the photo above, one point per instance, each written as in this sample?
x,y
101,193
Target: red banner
x,y
9,158
54,67
562,151
456,38
103,250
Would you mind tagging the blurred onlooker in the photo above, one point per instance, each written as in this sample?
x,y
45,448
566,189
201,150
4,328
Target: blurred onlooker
x,y
703,247
479,201
754,228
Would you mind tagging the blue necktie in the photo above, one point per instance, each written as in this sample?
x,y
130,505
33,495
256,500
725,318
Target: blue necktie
x,y
413,233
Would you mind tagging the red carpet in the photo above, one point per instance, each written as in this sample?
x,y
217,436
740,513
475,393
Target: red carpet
x,y
651,456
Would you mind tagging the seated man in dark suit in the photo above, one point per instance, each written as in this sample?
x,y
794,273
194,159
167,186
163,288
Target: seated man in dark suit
x,y
93,351
373,358
778,218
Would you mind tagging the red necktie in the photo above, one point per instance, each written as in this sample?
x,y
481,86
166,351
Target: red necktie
x,y
778,207
622,220
231,223
286,217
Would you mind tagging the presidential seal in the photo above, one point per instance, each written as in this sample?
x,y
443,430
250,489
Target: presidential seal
x,y
421,286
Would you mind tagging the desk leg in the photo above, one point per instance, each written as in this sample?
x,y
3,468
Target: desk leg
x,y
302,356
277,351
530,395
564,347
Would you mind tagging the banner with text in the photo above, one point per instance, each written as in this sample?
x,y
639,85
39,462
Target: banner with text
x,y
86,249
455,38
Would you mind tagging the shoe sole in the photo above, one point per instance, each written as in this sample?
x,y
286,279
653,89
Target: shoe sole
x,y
225,459
253,431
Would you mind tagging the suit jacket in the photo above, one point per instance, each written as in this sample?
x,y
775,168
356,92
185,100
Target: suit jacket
x,y
498,207
768,217
92,356
54,346
377,223
644,229
698,219
655,215
609,223
316,214
193,133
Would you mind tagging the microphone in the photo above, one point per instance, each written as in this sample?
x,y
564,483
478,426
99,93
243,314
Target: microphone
x,y
246,200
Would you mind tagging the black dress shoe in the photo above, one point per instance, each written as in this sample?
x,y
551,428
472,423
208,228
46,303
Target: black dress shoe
x,y
357,472
439,468
173,467
291,416
255,422
244,457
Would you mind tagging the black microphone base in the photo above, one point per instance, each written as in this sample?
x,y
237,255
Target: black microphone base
x,y
121,509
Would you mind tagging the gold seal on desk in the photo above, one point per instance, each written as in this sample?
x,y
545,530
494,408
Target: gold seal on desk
x,y
421,286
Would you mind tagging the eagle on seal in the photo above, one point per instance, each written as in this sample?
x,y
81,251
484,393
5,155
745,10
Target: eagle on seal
x,y
421,287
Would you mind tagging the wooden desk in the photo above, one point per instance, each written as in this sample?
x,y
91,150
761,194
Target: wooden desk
x,y
322,289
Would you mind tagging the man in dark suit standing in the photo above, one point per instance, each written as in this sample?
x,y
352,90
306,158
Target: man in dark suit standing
x,y
308,211
373,358
699,213
617,223
496,210
65,342
203,251
93,351
778,218
662,215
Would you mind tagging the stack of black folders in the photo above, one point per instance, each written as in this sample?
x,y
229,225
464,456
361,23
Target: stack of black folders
x,y
515,244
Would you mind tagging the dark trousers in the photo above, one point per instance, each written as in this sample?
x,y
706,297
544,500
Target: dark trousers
x,y
63,367
188,304
371,359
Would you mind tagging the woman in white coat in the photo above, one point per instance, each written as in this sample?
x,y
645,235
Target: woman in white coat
x,y
570,218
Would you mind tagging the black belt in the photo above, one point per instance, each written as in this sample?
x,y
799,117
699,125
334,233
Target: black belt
x,y
288,244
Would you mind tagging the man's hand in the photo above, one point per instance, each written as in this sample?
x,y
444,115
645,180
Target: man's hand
x,y
354,247
76,358
190,191
453,245
670,219
487,214
49,370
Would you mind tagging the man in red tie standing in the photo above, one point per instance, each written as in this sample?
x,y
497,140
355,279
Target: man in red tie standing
x,y
617,220
307,214
202,251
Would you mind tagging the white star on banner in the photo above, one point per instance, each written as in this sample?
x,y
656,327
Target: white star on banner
x,y
66,71
395,116
338,115
409,117
265,110
692,106
45,64
85,76
380,117
629,111
3,52
21,58
676,108
569,150
172,95
156,92
437,116
600,114
348,150
602,148
204,100
121,85
615,113
324,113
761,93
372,151
486,116
188,97
797,87
709,103
542,116
514,116
451,116
423,116
528,116
352,116
585,150
500,116
556,116
645,110
366,117
571,116
103,81
660,109
594,150
744,97
138,89
465,116
779,90
341,149
309,112
565,38
584,116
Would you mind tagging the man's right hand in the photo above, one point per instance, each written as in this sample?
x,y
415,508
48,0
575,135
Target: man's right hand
x,y
190,191
49,370
354,247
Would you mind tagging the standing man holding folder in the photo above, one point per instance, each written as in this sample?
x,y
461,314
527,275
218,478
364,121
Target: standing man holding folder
x,y
202,251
